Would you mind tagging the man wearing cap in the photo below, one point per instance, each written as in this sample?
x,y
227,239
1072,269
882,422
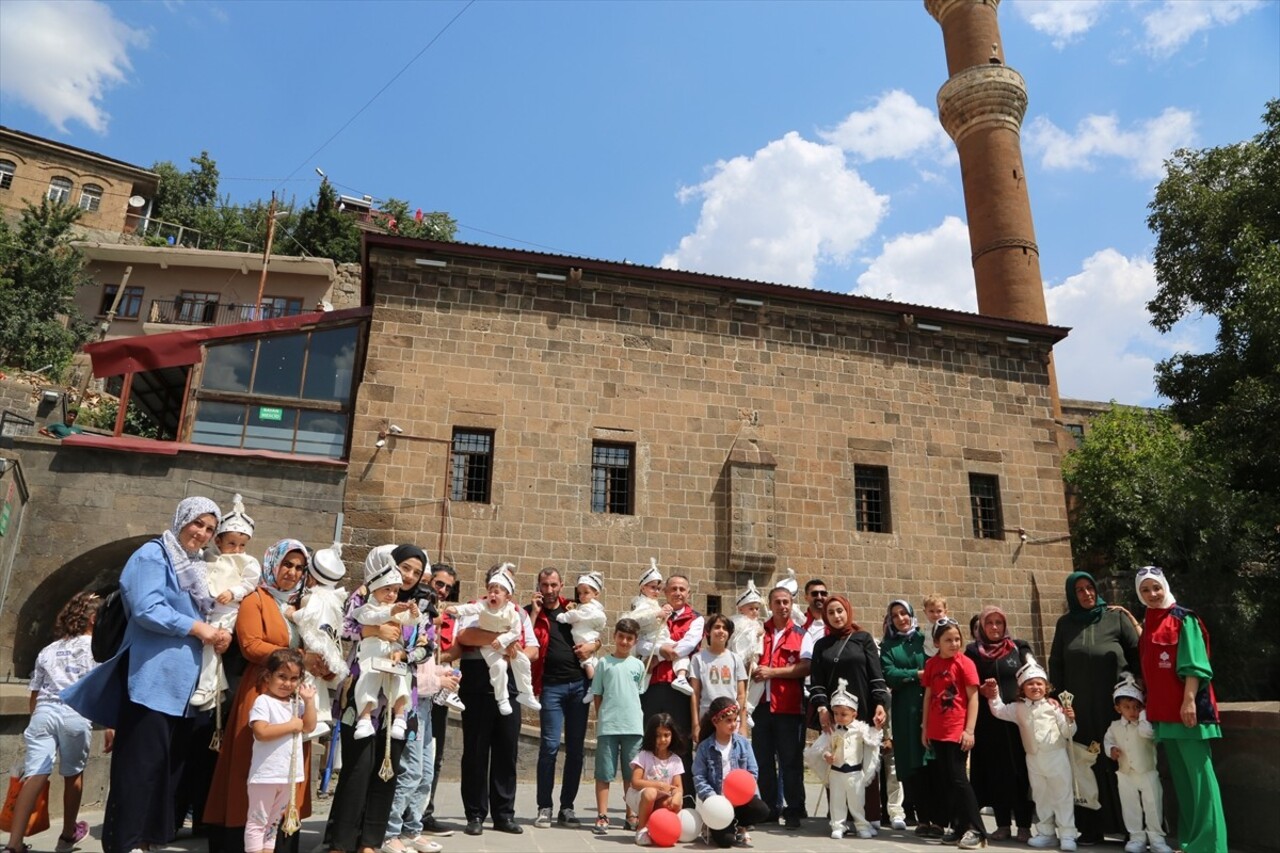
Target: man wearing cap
x,y
779,721
560,684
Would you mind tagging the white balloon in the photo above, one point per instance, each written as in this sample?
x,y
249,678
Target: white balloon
x,y
690,825
716,811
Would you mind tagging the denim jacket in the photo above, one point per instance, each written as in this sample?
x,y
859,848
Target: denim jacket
x,y
708,775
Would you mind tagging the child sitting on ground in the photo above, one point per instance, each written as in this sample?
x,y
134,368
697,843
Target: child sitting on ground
x,y
499,614
278,720
1130,741
382,663
848,757
656,774
651,613
319,619
720,751
747,641
586,619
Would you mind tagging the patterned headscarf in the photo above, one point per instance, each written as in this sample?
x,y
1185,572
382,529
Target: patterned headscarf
x,y
1077,611
190,567
272,559
889,630
993,649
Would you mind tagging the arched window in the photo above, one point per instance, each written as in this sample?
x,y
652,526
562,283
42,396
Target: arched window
x,y
7,168
90,197
60,190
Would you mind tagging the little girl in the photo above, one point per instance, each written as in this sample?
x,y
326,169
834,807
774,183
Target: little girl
x,y
656,772
379,658
586,620
848,757
949,716
1046,729
717,671
276,766
748,642
55,727
498,614
722,749
652,613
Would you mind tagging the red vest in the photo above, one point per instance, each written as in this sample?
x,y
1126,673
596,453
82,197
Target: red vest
x,y
678,625
1158,649
542,632
786,695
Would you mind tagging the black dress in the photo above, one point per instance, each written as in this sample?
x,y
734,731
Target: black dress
x,y
998,763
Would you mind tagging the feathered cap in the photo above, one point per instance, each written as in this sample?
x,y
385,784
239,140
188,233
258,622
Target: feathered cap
x,y
504,576
1128,686
1031,669
652,574
750,595
236,521
789,583
378,565
595,580
842,696
327,566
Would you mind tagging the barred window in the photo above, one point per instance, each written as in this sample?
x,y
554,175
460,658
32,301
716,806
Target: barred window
x,y
472,467
90,197
59,190
612,478
871,498
984,504
7,168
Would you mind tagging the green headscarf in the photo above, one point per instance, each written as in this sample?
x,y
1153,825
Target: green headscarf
x,y
1085,616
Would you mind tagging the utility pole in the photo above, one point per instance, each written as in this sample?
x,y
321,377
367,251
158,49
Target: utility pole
x,y
266,255
105,327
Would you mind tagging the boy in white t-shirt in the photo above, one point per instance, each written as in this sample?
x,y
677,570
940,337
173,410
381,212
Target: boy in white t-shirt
x,y
278,719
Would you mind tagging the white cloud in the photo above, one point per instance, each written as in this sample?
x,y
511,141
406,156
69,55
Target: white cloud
x,y
1064,22
1146,146
61,58
779,213
896,128
931,268
1174,23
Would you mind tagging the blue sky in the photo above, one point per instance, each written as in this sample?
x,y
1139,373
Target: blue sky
x,y
788,142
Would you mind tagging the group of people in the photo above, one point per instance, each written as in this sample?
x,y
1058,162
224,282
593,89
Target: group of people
x,y
1062,756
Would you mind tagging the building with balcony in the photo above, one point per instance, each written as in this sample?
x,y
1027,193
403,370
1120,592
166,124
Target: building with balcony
x,y
116,196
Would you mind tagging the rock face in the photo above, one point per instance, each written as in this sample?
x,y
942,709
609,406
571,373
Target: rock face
x,y
345,291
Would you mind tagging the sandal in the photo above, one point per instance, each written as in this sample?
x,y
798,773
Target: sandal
x,y
602,825
629,823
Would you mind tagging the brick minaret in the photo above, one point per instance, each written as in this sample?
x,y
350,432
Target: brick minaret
x,y
981,107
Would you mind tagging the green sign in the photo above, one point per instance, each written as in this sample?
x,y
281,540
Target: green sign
x,y
270,413
4,520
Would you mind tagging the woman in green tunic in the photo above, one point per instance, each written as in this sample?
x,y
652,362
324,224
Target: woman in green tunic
x,y
902,659
1092,645
1182,709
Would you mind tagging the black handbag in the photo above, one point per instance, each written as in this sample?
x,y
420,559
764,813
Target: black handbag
x,y
109,627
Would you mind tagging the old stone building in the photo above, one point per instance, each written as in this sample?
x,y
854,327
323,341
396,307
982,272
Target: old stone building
x,y
591,415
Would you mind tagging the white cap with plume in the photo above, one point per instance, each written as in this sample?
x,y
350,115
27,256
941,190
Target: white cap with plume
x,y
236,521
327,566
652,574
842,696
750,595
1031,669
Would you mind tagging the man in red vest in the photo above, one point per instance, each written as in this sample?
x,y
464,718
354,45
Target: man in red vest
x,y
779,718
685,627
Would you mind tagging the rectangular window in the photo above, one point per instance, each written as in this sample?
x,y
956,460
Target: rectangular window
x,y
90,197
984,504
713,605
281,306
472,465
612,478
1077,432
59,190
130,303
197,308
871,498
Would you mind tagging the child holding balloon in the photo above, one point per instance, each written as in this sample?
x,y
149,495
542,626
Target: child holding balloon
x,y
655,776
727,801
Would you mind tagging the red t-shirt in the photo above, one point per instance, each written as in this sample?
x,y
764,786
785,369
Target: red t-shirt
x,y
949,679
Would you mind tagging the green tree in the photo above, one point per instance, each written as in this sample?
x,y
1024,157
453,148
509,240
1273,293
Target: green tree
x,y
40,272
432,226
325,231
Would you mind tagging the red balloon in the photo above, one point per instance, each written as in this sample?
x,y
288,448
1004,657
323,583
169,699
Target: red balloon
x,y
739,786
664,827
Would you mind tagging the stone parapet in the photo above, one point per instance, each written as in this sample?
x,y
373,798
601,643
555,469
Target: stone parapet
x,y
984,96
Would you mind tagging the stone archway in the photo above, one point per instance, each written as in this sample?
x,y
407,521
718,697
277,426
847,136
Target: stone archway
x,y
97,568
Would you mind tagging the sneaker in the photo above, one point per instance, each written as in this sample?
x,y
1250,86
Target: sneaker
x,y
1158,845
791,822
682,684
431,826
900,825
866,833
928,830
364,729
529,701
504,708
642,837
837,834
454,702
568,818
1041,842
1136,846
66,845
742,838
602,825
422,844
949,836
1068,845
399,728
972,841
543,820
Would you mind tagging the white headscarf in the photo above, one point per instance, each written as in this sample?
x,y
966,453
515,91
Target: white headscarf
x,y
1157,574
190,567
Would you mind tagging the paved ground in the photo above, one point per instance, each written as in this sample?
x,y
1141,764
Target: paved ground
x,y
771,839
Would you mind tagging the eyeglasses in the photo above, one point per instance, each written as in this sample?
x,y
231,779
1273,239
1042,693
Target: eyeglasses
x,y
818,593
442,585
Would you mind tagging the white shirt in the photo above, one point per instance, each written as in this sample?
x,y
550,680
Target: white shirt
x,y
59,665
271,758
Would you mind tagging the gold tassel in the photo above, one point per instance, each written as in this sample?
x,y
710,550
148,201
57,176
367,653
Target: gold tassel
x,y
386,772
215,742
292,823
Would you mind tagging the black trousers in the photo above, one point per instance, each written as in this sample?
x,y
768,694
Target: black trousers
x,y
745,815
776,740
146,770
952,779
489,744
362,801
439,721
665,699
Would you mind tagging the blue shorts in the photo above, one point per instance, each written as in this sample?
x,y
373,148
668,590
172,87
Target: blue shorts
x,y
612,750
56,728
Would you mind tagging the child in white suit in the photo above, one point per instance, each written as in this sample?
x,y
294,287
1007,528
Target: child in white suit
x,y
1046,728
586,620
497,613
747,642
1130,740
382,663
319,621
848,758
651,614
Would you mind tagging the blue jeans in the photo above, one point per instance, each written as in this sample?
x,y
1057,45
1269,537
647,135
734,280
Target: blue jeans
x,y
563,712
413,785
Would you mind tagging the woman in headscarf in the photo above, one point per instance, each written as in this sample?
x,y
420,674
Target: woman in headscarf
x,y
902,660
850,653
1182,709
997,762
1092,645
261,628
145,690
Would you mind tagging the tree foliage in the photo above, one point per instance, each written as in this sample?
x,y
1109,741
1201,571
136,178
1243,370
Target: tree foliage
x,y
327,232
40,272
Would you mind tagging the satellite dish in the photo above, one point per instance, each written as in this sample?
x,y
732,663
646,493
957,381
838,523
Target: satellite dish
x,y
137,201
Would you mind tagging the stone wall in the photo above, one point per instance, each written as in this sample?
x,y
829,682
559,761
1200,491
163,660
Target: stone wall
x,y
696,380
345,292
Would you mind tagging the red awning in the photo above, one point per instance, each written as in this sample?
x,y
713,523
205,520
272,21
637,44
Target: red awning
x,y
177,349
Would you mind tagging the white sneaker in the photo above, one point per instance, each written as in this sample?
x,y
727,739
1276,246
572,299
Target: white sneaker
x,y
504,708
529,701
1135,846
452,700
837,834
1067,844
399,728
900,824
682,684
364,729
867,832
1042,842
1159,845
642,837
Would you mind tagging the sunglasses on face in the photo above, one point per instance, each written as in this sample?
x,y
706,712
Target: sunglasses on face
x,y
443,586
818,593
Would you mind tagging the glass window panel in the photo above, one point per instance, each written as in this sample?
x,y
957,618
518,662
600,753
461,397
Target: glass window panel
x,y
280,360
228,367
321,434
219,424
270,434
329,367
